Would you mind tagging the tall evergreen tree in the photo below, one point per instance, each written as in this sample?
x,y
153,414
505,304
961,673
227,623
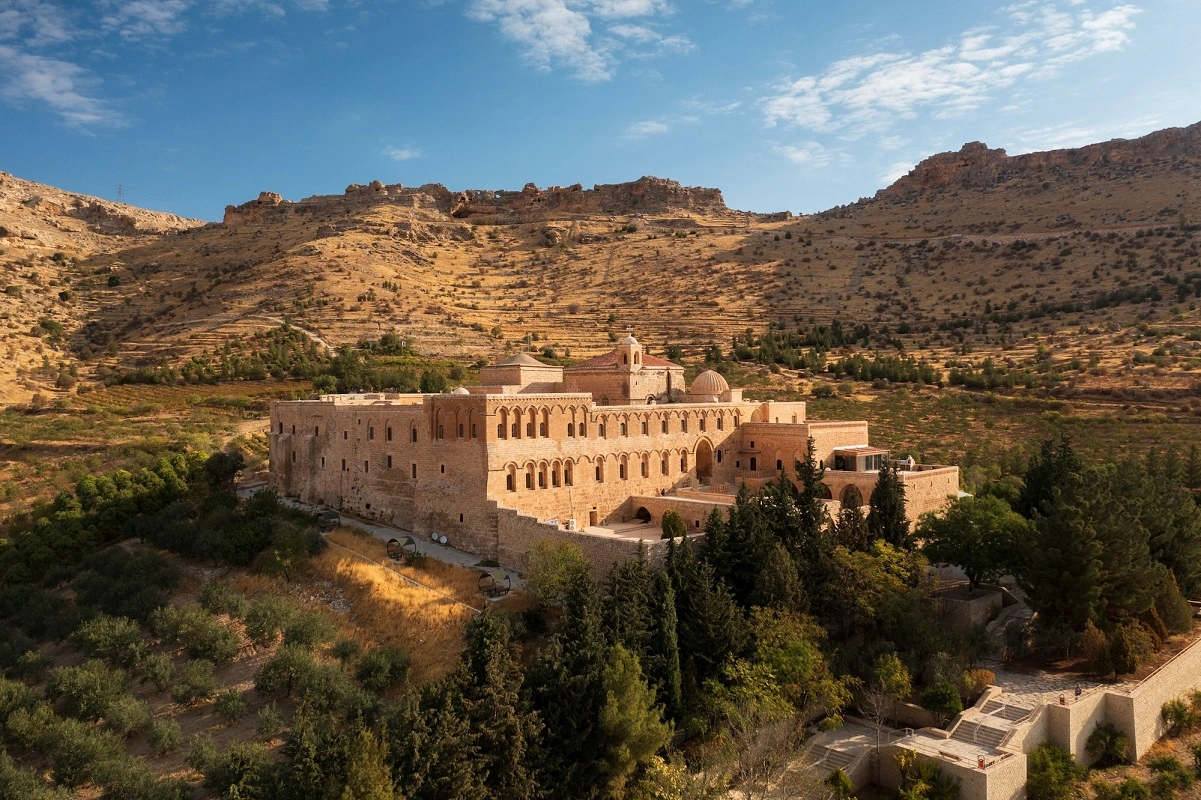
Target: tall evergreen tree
x,y
627,611
368,776
886,517
1049,469
663,658
1192,468
1173,521
505,729
749,540
431,747
850,529
631,724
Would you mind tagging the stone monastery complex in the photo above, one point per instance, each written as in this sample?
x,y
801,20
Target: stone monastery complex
x,y
592,453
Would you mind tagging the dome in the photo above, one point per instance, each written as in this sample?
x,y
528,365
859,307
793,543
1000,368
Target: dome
x,y
629,340
709,383
461,390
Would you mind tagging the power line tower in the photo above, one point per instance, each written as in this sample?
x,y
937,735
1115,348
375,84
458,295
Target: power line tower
x,y
120,192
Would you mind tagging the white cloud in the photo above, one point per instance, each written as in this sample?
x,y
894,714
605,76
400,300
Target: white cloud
x,y
135,19
401,153
896,171
37,23
1074,134
650,127
868,93
806,154
554,33
58,84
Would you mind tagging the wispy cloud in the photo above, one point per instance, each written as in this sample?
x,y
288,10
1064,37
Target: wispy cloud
x,y
1075,134
560,33
401,153
137,19
869,92
58,84
650,127
805,154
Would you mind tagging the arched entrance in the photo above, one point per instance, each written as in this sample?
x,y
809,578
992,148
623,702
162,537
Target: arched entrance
x,y
851,496
642,515
704,461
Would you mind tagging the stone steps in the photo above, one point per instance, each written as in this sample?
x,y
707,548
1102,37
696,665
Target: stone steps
x,y
995,708
832,758
979,734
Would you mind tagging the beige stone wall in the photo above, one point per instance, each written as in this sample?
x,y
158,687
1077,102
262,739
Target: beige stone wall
x,y
1004,779
694,512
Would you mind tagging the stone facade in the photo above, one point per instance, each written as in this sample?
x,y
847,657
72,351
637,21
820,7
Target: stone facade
x,y
569,449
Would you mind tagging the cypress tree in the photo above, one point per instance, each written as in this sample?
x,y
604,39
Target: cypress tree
x,y
1063,577
368,776
886,517
663,658
850,529
627,612
1049,469
1192,468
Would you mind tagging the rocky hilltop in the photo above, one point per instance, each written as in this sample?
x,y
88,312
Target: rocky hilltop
x,y
646,195
976,166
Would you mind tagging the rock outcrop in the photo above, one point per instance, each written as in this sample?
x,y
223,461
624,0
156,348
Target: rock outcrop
x,y
977,166
645,195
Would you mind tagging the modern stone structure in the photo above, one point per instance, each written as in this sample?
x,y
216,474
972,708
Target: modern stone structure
x,y
594,452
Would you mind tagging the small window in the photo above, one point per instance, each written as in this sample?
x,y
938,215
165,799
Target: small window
x,y
600,474
529,430
621,471
389,462
623,429
542,429
554,477
370,433
343,465
414,472
323,462
509,483
664,466
281,427
529,480
721,423
388,434
737,464
461,430
442,469
571,429
541,480
567,481
293,456
664,426
345,435
600,430
702,423
684,463
316,430
645,427
684,424
645,470
413,434
718,456
473,430
460,518
779,464
583,430
441,431
516,430
366,466
293,430
754,464
500,430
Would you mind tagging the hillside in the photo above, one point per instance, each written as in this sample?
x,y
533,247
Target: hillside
x,y
974,247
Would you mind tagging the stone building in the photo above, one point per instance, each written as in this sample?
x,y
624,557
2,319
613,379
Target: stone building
x,y
594,453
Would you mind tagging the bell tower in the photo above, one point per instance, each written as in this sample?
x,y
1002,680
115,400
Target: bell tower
x,y
630,353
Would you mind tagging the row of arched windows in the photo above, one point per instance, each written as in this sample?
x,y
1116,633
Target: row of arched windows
x,y
553,474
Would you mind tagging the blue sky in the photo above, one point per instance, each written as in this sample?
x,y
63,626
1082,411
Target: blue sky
x,y
193,104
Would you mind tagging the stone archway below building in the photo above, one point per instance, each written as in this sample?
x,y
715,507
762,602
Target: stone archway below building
x,y
704,461
642,515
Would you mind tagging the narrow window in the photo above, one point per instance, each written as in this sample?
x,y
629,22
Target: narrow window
x,y
460,430
645,426
370,433
343,465
389,462
293,456
541,479
414,472
366,466
316,430
702,423
721,423
567,474
571,429
509,483
621,471
583,430
645,470
388,434
281,427
623,429
516,430
779,464
345,435
529,430
718,456
554,477
664,426
684,424
600,474
460,518
443,469
293,430
754,464
473,433
500,430
529,480
684,463
413,434
600,430
441,431
322,462
542,429
664,466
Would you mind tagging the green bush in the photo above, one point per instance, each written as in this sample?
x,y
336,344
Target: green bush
x,y
217,598
157,670
26,784
165,736
1178,716
77,749
308,630
1170,776
942,699
270,723
327,688
238,772
230,705
1051,773
31,666
196,682
284,672
1195,749
1130,789
117,640
345,648
88,689
1107,745
127,716
32,727
202,753
267,618
201,634
382,668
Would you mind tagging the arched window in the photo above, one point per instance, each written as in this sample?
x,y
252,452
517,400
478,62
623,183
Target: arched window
x,y
645,425
388,433
664,466
600,472
646,467
510,484
571,429
529,480
500,430
621,471
542,479
583,430
664,426
529,429
625,359
684,424
684,462
413,434
702,423
623,429
460,430
516,430
600,430
441,432
721,422
554,475
718,456
567,480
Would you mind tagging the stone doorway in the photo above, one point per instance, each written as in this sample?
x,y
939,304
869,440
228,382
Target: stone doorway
x,y
704,461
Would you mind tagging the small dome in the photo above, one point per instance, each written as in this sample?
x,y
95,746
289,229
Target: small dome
x,y
709,383
461,390
629,340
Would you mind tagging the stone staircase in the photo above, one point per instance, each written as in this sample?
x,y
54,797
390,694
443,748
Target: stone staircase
x,y
976,732
832,758
995,708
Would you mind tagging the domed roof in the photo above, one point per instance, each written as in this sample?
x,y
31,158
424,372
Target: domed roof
x,y
709,383
629,339
461,390
521,360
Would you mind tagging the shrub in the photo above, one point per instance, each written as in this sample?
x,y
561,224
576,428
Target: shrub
x,y
200,633
267,618
345,648
32,728
196,682
975,681
326,688
77,749
238,772
165,736
943,700
1170,776
284,672
1051,773
202,753
1130,789
230,705
822,391
126,716
157,669
308,630
382,668
31,666
1177,716
270,723
1107,745
88,689
217,598
118,640
1129,646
